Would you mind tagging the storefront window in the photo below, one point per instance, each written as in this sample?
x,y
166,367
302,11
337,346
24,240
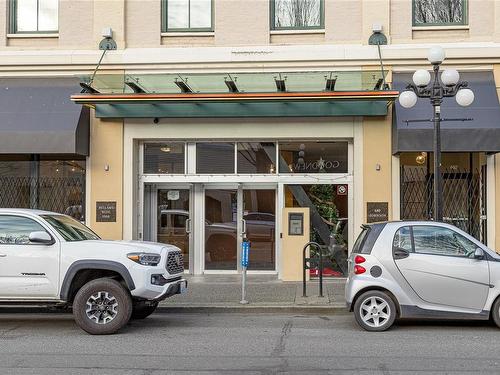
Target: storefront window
x,y
164,158
215,158
52,183
313,157
328,207
256,157
464,189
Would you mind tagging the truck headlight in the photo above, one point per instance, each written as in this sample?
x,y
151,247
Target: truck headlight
x,y
145,259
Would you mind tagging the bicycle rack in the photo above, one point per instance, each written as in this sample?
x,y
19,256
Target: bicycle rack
x,y
306,265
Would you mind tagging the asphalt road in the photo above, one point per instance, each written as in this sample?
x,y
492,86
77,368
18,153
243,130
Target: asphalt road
x,y
245,344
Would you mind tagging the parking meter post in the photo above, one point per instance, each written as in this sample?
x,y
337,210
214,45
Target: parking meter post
x,y
245,249
243,287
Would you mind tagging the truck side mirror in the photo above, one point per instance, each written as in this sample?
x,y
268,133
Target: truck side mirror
x,y
41,237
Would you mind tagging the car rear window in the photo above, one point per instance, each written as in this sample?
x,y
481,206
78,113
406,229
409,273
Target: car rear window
x,y
361,238
367,237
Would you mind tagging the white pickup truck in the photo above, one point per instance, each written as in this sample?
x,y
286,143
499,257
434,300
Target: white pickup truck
x,y
50,259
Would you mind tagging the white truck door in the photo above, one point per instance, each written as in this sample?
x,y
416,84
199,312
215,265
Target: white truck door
x,y
27,270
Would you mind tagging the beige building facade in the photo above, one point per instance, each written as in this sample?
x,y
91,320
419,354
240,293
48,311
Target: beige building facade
x,y
203,180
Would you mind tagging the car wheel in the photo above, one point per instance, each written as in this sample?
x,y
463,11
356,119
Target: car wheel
x,y
375,311
141,310
495,312
102,306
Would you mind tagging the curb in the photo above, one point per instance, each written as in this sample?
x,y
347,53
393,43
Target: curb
x,y
253,309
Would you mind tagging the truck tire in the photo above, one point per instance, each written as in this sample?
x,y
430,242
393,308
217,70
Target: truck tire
x,y
141,310
102,306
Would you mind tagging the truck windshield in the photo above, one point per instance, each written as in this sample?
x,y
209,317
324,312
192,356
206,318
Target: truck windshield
x,y
70,229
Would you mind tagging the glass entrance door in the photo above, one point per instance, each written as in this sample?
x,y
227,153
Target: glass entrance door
x,y
231,215
259,218
221,218
174,222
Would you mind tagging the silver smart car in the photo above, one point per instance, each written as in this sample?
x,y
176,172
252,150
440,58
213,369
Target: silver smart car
x,y
421,269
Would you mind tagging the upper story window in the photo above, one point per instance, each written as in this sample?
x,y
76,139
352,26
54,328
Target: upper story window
x,y
187,15
439,12
297,14
34,16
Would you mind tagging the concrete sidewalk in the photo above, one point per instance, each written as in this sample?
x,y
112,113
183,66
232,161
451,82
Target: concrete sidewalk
x,y
264,293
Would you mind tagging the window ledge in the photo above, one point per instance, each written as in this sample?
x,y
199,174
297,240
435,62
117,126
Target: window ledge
x,y
188,33
454,27
33,35
306,31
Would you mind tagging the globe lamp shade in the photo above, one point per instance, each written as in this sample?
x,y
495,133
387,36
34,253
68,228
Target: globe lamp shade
x,y
450,77
436,55
421,78
465,97
407,99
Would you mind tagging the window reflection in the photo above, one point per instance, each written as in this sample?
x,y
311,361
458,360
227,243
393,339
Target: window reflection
x,y
297,14
256,157
313,157
192,14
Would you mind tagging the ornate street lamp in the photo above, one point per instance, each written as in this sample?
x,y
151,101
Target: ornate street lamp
x,y
448,86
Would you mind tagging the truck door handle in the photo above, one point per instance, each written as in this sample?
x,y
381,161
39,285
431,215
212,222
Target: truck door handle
x,y
188,226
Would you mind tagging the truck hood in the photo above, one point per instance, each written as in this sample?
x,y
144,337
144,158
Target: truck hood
x,y
128,246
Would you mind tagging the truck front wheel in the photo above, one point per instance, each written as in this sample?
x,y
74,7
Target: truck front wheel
x,y
102,306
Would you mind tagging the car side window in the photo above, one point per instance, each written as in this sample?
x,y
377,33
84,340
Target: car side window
x,y
15,230
429,239
402,239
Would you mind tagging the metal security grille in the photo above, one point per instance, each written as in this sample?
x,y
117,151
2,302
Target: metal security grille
x,y
464,196
59,194
175,262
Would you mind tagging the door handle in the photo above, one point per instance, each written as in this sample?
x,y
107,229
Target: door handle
x,y
188,226
244,226
3,255
401,254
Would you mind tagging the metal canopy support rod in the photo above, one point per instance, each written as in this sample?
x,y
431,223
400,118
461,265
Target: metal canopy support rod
x,y
135,87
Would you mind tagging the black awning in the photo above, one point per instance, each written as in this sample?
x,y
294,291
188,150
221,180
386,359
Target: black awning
x,y
37,116
481,134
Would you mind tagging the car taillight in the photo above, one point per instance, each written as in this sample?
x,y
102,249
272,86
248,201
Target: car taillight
x,y
358,259
359,269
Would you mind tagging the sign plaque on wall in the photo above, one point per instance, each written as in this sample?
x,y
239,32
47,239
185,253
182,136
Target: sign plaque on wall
x,y
377,211
296,224
105,212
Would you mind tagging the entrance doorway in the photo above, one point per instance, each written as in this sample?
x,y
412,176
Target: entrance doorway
x,y
169,210
234,214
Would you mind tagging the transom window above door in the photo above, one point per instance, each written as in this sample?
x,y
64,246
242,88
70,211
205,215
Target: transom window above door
x,y
187,15
34,16
245,157
297,14
439,12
